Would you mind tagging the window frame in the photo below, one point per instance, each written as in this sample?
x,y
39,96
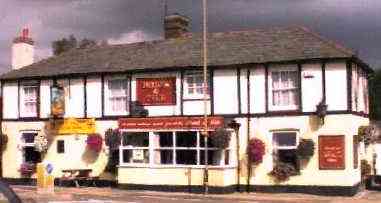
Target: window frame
x,y
292,107
276,148
24,144
22,99
107,109
194,74
152,149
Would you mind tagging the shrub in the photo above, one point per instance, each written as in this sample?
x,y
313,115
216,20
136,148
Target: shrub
x,y
256,150
366,168
112,139
282,171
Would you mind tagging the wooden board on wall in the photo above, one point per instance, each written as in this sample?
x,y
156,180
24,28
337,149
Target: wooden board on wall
x,y
332,152
156,91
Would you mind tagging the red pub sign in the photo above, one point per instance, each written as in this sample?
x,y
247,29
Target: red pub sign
x,y
156,91
161,123
332,152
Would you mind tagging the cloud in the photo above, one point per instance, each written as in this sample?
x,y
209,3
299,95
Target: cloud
x,y
131,37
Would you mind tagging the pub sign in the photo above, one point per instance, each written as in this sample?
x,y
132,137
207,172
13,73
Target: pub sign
x,y
156,91
332,152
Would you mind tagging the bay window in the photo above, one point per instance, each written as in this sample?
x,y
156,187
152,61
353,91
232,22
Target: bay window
x,y
28,100
116,96
284,89
179,148
284,148
194,85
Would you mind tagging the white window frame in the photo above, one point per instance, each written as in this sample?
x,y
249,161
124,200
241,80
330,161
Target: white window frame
x,y
24,100
195,95
108,111
273,70
23,144
152,148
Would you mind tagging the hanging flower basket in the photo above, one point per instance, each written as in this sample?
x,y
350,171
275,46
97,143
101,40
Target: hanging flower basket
x,y
305,148
283,171
112,139
365,134
41,143
94,142
27,169
221,138
256,150
3,140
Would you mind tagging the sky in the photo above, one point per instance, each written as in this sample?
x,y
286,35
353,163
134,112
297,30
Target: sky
x,y
353,23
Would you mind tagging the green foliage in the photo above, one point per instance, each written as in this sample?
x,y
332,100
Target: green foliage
x,y
366,168
306,148
221,138
283,171
375,95
67,44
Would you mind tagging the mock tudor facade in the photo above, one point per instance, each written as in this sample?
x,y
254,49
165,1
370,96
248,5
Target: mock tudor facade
x,y
270,81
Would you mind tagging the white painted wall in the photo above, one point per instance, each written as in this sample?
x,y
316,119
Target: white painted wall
x,y
94,97
159,110
336,86
244,94
195,107
45,98
74,97
225,91
22,55
311,86
10,103
257,90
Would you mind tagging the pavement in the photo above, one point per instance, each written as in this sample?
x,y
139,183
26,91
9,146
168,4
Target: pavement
x,y
29,194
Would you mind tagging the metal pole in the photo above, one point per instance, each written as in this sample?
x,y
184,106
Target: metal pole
x,y
205,88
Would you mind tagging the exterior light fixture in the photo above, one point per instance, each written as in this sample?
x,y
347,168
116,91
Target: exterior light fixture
x,y
321,111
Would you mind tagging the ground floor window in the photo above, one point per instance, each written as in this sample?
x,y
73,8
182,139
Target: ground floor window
x,y
170,148
30,155
284,145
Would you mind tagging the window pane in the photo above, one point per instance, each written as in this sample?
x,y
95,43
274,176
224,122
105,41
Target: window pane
x,y
293,79
214,157
186,157
164,156
285,139
31,155
186,139
29,137
136,139
166,139
136,156
202,141
288,156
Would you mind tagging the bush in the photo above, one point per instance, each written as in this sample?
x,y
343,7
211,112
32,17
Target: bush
x,y
256,150
112,139
282,171
366,169
221,138
305,148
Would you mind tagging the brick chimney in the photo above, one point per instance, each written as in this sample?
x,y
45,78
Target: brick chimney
x,y
175,26
22,50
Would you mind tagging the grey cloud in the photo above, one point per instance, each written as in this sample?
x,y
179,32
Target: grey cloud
x,y
350,22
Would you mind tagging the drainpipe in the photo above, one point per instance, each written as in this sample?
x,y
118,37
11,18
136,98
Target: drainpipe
x,y
248,130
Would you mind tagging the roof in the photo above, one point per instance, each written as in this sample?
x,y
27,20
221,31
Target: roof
x,y
225,48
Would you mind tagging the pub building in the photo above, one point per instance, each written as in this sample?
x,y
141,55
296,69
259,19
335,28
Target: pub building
x,y
287,98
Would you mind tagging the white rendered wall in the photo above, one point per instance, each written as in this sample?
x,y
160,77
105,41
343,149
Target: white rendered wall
x,y
166,110
195,107
336,86
311,86
257,90
225,91
94,97
10,103
45,98
22,55
244,93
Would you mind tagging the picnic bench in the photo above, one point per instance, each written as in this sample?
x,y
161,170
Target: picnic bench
x,y
77,176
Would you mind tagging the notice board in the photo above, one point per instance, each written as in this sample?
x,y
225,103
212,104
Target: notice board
x,y
332,152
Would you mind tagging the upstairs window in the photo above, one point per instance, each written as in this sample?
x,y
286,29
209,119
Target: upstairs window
x,y
116,100
284,90
28,100
194,85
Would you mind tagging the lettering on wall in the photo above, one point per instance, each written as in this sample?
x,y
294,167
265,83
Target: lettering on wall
x,y
156,91
332,152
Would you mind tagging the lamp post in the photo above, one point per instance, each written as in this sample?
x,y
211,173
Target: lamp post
x,y
205,89
235,126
